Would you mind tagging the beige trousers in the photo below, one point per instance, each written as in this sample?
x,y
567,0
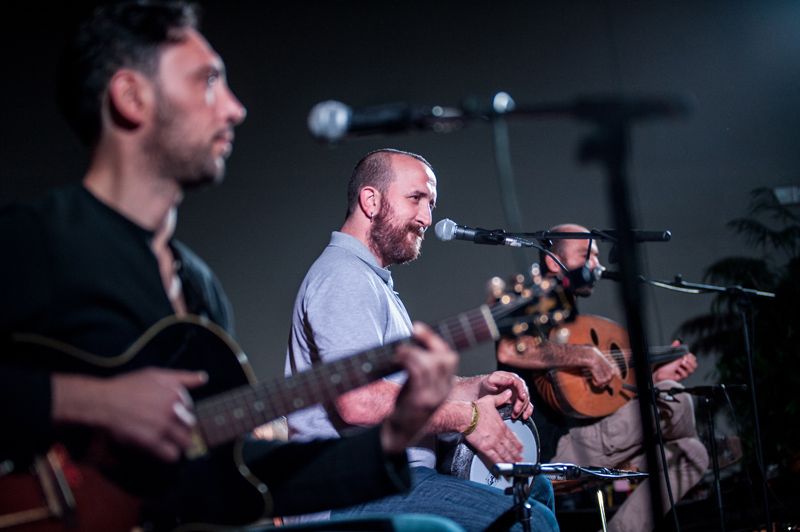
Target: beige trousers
x,y
617,440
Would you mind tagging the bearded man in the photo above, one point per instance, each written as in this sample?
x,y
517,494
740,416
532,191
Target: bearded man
x,y
347,304
95,267
614,440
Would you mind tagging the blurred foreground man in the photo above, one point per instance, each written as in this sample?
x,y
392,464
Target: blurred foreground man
x,y
92,266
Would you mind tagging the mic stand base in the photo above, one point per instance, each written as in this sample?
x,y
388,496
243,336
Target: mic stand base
x,y
520,511
521,504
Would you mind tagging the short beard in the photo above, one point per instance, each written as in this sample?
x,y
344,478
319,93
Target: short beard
x,y
389,241
191,165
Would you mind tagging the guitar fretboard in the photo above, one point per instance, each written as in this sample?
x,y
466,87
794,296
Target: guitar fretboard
x,y
226,416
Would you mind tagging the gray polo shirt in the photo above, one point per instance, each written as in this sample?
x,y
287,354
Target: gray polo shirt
x,y
346,304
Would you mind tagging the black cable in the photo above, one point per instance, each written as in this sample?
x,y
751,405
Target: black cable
x,y
744,306
740,429
664,464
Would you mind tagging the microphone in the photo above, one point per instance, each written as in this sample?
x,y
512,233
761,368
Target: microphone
x,y
706,391
446,230
331,121
517,469
615,107
641,236
609,275
585,275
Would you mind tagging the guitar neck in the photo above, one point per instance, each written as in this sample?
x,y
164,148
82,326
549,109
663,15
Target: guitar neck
x,y
227,416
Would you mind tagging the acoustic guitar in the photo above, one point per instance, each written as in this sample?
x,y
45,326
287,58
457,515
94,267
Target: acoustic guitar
x,y
571,392
85,485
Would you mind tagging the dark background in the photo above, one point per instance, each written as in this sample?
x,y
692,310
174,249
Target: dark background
x,y
284,192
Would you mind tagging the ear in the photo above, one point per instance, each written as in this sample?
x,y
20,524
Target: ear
x,y
369,200
552,266
130,98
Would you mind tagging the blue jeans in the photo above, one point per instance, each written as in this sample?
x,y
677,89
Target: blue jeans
x,y
386,523
472,505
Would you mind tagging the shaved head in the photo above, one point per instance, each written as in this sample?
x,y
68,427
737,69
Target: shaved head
x,y
559,245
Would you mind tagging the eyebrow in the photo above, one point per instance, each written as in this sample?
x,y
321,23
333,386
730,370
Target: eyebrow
x,y
212,67
423,192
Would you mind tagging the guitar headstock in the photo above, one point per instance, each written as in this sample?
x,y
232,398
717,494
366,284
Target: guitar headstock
x,y
529,305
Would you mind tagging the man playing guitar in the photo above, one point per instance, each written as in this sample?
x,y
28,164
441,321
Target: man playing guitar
x,y
93,266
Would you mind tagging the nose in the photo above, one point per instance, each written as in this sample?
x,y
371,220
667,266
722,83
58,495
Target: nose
x,y
424,215
234,108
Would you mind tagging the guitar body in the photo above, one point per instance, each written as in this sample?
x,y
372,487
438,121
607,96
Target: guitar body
x,y
570,391
214,487
30,502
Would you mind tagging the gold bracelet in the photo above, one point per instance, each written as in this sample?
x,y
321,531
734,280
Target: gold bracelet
x,y
473,424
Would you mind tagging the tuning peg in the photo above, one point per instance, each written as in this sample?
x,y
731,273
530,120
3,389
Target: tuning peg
x,y
496,287
536,273
561,336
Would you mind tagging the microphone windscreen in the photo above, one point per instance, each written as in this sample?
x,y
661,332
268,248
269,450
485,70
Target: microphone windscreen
x,y
611,276
329,120
445,229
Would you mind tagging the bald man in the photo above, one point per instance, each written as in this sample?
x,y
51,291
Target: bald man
x,y
614,440
348,303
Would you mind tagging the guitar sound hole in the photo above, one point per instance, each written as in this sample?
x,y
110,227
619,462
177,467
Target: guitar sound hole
x,y
598,390
619,359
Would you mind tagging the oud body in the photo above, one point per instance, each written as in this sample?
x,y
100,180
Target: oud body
x,y
571,392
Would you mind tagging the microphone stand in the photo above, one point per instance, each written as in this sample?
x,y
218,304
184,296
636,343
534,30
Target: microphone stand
x,y
522,472
608,145
744,299
706,394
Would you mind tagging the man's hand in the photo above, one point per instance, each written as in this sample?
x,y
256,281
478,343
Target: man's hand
x,y
500,381
531,353
677,370
602,370
148,408
430,367
492,439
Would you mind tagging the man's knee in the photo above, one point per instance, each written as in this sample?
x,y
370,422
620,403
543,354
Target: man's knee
x,y
542,491
696,453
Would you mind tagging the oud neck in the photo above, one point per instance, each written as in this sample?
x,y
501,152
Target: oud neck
x,y
227,416
662,355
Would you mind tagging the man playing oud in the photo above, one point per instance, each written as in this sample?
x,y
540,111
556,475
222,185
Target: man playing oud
x,y
616,439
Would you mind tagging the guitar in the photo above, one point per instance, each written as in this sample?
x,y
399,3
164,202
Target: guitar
x,y
231,405
571,392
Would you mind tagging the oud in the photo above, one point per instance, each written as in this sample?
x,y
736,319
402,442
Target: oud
x,y
571,392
